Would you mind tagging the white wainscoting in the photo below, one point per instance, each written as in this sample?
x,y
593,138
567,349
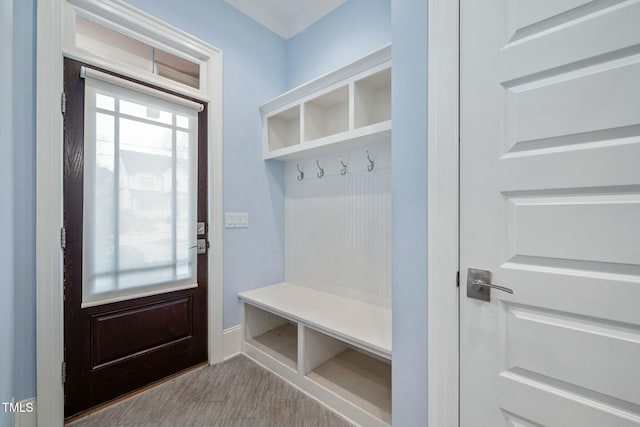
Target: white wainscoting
x,y
338,228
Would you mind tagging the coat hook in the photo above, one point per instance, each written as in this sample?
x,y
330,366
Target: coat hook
x,y
343,171
371,164
300,173
321,173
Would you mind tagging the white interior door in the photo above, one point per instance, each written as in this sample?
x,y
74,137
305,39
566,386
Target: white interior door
x,y
550,204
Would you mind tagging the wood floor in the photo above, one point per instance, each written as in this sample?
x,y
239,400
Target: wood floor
x,y
236,393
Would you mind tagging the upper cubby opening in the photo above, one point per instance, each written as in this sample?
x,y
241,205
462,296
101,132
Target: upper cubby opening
x,y
373,99
327,114
284,128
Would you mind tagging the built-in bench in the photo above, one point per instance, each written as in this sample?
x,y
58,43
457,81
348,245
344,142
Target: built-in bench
x,y
336,349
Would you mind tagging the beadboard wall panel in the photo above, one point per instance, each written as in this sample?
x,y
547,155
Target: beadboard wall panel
x,y
338,227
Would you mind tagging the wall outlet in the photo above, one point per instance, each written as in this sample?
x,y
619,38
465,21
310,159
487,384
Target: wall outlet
x,y
236,220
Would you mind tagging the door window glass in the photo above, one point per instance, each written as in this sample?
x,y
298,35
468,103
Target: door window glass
x,y
140,194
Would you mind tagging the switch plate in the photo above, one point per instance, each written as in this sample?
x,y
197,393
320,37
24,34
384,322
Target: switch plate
x,y
236,220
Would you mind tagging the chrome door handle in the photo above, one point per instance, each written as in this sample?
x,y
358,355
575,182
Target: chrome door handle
x,y
479,284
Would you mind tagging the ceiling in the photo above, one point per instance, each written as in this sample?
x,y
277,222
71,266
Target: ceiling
x,y
286,17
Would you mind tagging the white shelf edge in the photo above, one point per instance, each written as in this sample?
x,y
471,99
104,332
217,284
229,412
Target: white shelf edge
x,y
248,347
372,134
378,351
326,396
342,404
349,339
363,64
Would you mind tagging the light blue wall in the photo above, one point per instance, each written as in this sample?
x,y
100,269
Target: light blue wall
x,y
7,332
24,176
20,249
409,110
254,72
18,190
258,65
353,30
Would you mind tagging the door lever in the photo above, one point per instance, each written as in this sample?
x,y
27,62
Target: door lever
x,y
478,282
479,285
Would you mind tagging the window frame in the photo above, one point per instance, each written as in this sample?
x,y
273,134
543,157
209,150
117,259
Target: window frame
x,y
120,90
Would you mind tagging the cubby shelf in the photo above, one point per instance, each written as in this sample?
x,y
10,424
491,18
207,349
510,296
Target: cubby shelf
x,y
344,109
363,325
284,129
373,134
372,98
272,334
358,378
335,348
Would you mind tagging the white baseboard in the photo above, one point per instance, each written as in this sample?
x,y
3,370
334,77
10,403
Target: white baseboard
x,y
231,342
26,418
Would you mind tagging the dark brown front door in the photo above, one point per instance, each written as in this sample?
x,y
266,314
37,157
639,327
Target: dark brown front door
x,y
114,348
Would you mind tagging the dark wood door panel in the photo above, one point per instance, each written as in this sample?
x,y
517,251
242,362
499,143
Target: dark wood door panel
x,y
116,348
126,333
141,370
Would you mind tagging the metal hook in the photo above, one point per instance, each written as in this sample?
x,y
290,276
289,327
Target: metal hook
x,y
371,164
321,173
300,173
343,171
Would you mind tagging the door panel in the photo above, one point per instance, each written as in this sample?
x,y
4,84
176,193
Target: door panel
x,y
129,332
115,348
550,201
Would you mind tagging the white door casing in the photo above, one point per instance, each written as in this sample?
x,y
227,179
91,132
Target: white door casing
x,y
50,51
550,203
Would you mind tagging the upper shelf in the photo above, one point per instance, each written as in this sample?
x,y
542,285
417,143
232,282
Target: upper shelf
x,y
346,108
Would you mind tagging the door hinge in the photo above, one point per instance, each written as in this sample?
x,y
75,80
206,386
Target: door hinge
x,y
63,102
64,372
458,279
63,238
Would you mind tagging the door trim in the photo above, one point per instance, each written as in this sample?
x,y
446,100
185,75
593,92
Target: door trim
x,y
443,211
49,201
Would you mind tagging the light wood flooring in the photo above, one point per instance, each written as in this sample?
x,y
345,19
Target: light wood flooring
x,y
236,393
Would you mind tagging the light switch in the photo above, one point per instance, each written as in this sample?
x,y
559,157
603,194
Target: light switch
x,y
236,220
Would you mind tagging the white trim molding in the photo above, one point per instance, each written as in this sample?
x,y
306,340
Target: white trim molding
x,y
52,20
232,342
443,208
49,292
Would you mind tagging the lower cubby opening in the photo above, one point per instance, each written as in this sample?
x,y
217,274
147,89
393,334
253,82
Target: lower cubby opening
x,y
360,377
272,334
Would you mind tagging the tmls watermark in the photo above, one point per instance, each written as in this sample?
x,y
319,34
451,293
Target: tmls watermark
x,y
18,407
